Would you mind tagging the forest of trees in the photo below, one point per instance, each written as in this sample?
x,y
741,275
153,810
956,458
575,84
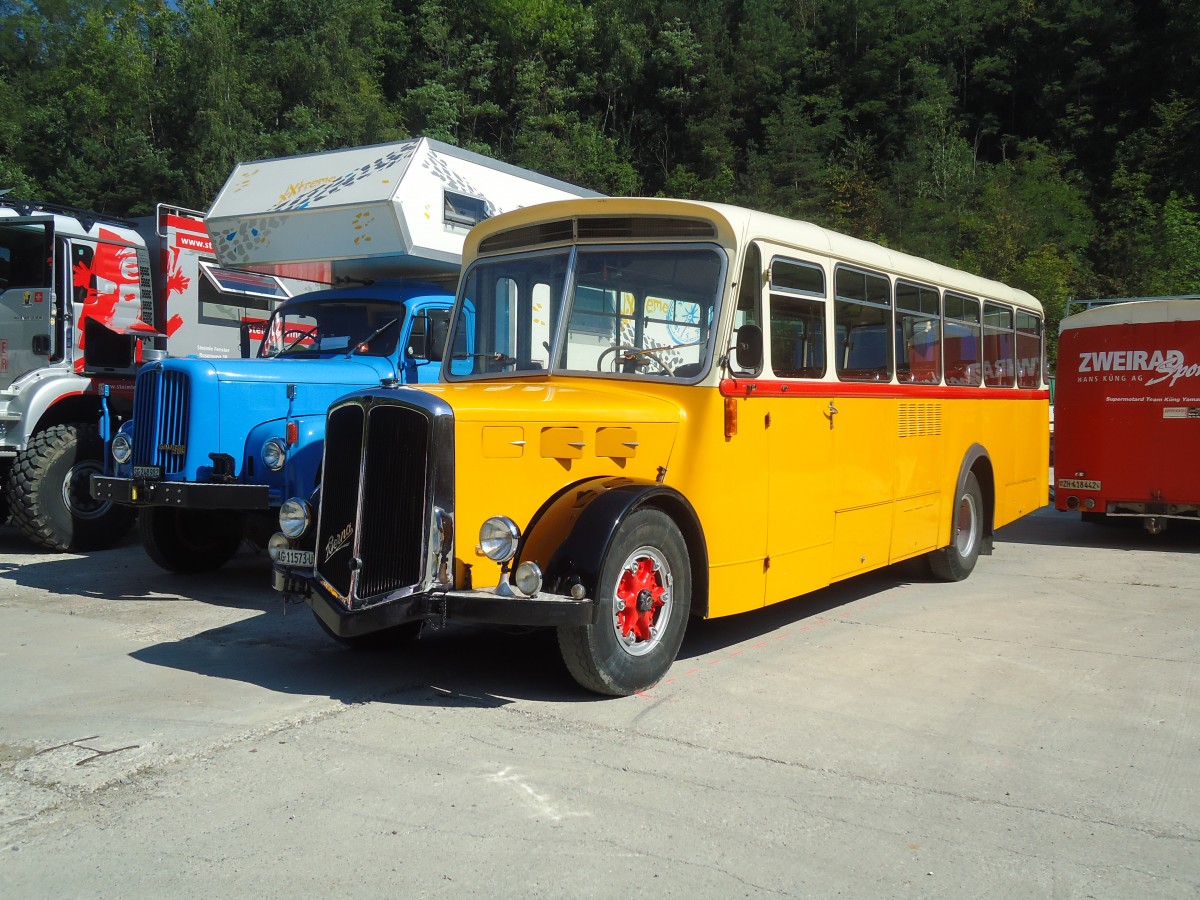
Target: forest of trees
x,y
1051,144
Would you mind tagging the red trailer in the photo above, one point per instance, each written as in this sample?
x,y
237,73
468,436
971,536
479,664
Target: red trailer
x,y
1127,429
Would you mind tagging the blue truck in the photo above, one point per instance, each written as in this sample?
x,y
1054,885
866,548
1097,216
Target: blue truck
x,y
215,446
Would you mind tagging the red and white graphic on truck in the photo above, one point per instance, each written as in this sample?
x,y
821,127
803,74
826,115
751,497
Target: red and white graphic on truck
x,y
111,284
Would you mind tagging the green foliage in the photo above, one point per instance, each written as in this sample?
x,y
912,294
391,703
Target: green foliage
x,y
1051,145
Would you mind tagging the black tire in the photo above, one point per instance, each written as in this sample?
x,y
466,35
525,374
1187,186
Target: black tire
x,y
5,469
632,647
50,495
956,562
376,640
188,541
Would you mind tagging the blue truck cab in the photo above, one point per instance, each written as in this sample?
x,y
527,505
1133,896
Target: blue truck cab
x,y
215,446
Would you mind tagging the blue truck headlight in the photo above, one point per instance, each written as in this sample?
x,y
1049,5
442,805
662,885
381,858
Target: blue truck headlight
x,y
275,544
294,517
273,454
122,448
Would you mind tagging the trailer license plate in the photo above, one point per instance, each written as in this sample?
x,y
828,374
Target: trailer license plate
x,y
301,558
154,472
1075,484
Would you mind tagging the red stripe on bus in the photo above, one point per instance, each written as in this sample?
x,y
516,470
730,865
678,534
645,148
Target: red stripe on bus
x,y
745,387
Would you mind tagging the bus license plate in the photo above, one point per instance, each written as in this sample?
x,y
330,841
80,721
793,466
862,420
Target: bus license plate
x,y
301,558
1075,484
154,472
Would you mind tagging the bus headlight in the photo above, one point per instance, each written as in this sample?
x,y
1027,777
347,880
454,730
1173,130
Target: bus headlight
x,y
122,448
498,538
294,517
273,454
528,578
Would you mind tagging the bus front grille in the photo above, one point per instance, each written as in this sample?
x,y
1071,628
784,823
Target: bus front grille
x,y
339,497
392,541
375,521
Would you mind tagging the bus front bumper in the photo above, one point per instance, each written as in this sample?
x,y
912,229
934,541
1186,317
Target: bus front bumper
x,y
479,607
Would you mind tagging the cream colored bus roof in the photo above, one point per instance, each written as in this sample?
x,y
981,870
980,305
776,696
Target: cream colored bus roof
x,y
736,225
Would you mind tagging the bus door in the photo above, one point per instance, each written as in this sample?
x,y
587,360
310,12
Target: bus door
x,y
863,419
800,434
918,462
27,319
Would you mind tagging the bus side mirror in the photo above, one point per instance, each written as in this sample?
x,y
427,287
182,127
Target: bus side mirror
x,y
749,347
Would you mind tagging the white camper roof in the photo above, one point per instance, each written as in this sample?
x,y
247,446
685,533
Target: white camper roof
x,y
385,211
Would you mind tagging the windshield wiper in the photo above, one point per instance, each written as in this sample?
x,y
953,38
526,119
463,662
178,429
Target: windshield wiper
x,y
374,334
498,357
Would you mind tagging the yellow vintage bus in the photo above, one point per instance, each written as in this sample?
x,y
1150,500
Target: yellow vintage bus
x,y
653,409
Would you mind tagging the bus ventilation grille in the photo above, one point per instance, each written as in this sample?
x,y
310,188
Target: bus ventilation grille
x,y
920,419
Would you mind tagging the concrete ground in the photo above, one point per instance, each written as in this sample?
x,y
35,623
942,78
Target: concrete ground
x,y
1031,732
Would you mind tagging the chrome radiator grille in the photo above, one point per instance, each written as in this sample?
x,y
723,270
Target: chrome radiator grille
x,y
373,533
160,413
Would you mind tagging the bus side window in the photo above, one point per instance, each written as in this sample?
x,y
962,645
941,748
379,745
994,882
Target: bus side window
x,y
797,313
999,352
797,337
1029,350
863,315
918,334
961,343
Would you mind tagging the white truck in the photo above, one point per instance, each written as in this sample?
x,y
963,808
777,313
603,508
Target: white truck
x,y
85,299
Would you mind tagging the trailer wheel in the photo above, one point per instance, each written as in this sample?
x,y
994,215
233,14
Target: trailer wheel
x,y
50,495
645,592
956,562
188,541
376,640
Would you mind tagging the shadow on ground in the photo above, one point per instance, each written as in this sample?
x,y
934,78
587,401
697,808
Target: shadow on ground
x,y
1049,528
454,665
125,573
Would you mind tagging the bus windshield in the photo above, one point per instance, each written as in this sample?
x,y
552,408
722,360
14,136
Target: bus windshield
x,y
339,327
646,311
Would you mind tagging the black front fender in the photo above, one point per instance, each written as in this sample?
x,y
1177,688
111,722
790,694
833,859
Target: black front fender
x,y
570,534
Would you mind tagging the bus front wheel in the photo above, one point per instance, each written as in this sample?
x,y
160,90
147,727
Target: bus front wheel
x,y
645,591
955,562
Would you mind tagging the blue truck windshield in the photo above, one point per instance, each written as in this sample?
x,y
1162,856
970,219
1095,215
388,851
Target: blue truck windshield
x,y
334,328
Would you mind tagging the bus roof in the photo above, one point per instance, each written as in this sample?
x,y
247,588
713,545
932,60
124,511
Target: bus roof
x,y
1170,309
736,225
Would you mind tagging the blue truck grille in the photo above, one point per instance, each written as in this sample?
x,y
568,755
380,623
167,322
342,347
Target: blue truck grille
x,y
160,414
379,525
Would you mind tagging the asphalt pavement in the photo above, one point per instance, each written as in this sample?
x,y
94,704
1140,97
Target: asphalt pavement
x,y
1031,732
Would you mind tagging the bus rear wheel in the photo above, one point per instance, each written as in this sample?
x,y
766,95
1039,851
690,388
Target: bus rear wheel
x,y
645,592
50,493
957,561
